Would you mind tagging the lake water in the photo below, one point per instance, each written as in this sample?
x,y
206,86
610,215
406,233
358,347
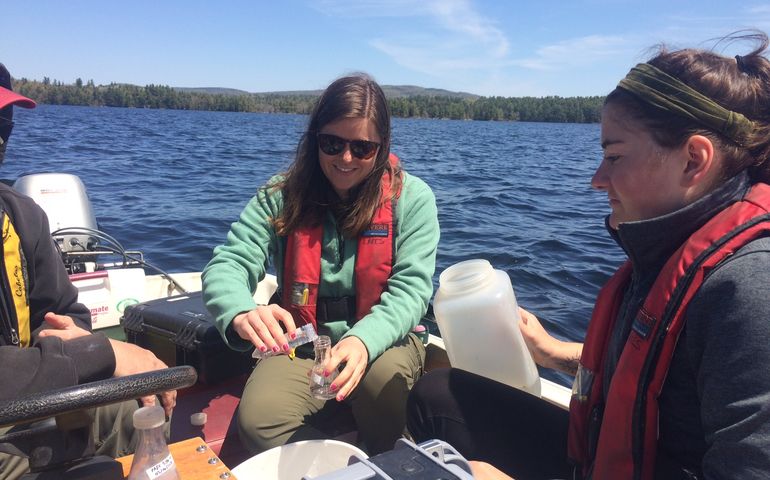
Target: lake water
x,y
170,182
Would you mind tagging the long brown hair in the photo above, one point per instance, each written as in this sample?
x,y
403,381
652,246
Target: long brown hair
x,y
307,193
740,84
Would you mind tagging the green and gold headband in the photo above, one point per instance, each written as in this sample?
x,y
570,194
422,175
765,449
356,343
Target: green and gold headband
x,y
659,89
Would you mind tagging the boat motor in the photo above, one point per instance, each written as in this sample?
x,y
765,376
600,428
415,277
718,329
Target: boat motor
x,y
63,198
83,247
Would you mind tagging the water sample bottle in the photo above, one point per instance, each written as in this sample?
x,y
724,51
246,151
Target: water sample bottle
x,y
304,334
319,385
478,318
152,460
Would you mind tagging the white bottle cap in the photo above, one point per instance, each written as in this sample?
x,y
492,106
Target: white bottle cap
x,y
149,417
198,419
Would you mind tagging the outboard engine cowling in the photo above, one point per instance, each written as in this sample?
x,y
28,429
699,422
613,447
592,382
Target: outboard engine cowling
x,y
63,198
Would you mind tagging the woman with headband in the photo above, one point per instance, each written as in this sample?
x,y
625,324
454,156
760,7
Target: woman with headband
x,y
353,238
673,380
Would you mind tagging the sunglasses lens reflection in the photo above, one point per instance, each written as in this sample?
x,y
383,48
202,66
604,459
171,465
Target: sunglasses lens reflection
x,y
363,149
331,144
5,129
334,145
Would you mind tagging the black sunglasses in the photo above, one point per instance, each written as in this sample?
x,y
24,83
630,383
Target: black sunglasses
x,y
5,129
334,145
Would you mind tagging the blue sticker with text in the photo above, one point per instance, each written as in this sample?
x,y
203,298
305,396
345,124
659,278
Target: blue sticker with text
x,y
643,324
376,230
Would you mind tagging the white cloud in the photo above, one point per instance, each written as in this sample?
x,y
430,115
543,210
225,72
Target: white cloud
x,y
457,37
458,16
581,51
432,56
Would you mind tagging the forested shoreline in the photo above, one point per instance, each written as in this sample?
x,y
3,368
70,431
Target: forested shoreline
x,y
529,109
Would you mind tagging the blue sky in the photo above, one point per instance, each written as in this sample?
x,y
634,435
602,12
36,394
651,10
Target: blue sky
x,y
509,48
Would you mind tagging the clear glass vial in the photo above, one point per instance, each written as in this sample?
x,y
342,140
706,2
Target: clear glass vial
x,y
319,384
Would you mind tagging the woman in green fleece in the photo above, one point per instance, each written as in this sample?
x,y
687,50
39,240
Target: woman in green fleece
x,y
353,240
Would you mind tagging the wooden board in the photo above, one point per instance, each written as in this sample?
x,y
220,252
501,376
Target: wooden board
x,y
192,462
219,402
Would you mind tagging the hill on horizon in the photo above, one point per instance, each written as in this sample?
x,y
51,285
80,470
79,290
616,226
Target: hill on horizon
x,y
391,91
405,101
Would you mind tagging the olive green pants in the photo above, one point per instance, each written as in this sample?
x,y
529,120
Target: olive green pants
x,y
113,433
276,407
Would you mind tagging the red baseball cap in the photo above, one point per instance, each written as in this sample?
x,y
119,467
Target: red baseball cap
x,y
8,96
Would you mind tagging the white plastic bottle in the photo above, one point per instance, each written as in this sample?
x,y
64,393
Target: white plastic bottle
x,y
152,460
478,318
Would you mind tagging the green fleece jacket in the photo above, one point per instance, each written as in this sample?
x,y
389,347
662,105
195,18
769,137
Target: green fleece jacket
x,y
231,277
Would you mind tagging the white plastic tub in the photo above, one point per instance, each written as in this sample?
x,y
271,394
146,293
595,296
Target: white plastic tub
x,y
299,459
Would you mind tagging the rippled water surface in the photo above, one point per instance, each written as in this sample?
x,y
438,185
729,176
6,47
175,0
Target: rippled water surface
x,y
170,182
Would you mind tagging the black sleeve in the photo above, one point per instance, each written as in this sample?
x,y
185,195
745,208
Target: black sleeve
x,y
49,363
52,363
728,327
50,289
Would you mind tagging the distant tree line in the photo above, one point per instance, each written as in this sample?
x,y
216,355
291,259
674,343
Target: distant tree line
x,y
531,109
524,109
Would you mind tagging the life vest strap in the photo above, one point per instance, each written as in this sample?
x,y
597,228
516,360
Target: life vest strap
x,y
331,308
336,308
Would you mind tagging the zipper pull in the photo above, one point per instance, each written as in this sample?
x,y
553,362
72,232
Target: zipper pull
x,y
14,337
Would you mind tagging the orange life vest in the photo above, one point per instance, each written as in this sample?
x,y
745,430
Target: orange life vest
x,y
374,261
616,437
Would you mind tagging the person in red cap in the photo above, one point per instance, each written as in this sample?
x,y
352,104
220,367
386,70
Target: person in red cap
x,y
8,98
45,334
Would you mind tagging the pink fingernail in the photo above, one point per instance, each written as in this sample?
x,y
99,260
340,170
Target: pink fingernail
x,y
276,349
333,387
263,348
326,374
285,347
293,335
340,398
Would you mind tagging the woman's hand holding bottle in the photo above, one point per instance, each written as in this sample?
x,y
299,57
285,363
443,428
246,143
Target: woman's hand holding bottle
x,y
353,353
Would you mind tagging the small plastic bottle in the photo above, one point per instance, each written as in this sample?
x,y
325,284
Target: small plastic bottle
x,y
319,384
152,460
304,334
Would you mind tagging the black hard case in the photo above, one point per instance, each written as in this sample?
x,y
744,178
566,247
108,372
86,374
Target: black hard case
x,y
180,331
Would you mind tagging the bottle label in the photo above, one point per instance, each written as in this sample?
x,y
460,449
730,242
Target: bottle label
x,y
161,467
